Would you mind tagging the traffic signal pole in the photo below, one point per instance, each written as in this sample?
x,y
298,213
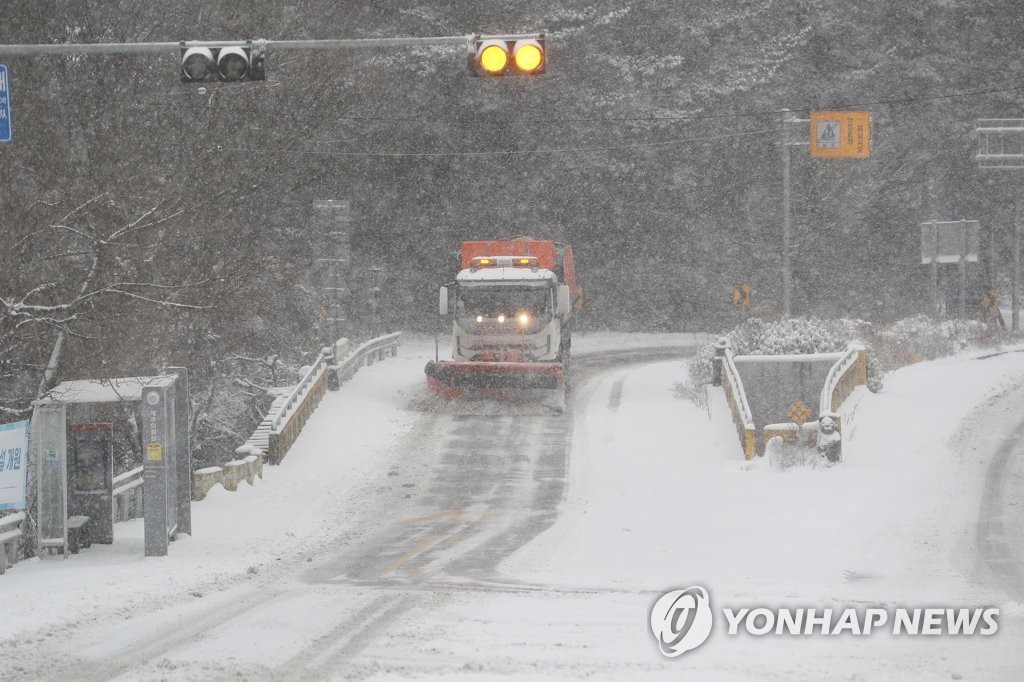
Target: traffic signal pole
x,y
238,60
327,44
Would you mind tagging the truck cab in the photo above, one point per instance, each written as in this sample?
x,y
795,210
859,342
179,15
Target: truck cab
x,y
507,314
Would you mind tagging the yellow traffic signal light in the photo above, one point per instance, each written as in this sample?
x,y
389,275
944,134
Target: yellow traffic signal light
x,y
512,55
493,57
528,55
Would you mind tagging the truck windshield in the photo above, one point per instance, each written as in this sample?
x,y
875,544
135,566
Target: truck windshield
x,y
493,302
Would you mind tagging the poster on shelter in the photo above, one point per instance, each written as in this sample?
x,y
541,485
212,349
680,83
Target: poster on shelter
x,y
13,464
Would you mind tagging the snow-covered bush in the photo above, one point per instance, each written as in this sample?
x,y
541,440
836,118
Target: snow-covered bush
x,y
920,337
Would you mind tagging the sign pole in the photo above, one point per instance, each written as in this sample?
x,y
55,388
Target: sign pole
x,y
1001,147
935,272
963,270
1015,285
786,218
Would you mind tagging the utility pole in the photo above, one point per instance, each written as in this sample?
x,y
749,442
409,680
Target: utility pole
x,y
787,218
376,279
1015,284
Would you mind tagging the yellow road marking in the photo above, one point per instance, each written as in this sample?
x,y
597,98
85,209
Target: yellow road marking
x,y
435,517
424,543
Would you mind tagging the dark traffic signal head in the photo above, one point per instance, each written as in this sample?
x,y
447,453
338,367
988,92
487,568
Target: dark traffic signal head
x,y
235,63
515,55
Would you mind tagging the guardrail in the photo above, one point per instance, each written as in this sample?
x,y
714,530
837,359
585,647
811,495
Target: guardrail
x,y
128,500
323,374
365,355
10,534
734,393
850,371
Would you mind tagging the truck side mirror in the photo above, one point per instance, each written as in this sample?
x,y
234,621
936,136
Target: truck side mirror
x,y
564,304
443,301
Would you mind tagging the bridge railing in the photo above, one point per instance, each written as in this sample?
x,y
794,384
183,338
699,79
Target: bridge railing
x,y
850,371
298,407
846,371
365,355
323,374
737,398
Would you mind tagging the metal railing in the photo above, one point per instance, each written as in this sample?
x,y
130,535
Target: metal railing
x,y
128,499
10,534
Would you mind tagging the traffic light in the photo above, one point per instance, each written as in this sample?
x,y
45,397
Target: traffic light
x,y
227,63
515,55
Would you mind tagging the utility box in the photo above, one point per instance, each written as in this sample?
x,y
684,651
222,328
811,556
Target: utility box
x,y
91,478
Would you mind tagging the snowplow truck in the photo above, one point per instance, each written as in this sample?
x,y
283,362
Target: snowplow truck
x,y
512,305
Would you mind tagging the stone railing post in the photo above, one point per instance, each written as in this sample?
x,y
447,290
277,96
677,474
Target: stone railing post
x,y
721,346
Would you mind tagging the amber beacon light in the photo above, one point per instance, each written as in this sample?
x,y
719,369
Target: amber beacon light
x,y
510,55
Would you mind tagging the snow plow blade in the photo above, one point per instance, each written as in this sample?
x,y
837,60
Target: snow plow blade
x,y
451,379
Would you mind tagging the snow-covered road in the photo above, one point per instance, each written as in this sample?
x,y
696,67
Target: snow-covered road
x,y
402,540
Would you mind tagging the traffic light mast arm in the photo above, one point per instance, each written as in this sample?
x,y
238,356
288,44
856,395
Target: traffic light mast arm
x,y
327,44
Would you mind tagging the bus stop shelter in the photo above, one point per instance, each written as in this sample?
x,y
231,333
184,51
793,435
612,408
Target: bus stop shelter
x,y
83,466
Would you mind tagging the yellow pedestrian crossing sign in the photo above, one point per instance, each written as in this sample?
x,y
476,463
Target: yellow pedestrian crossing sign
x,y
741,295
799,413
841,134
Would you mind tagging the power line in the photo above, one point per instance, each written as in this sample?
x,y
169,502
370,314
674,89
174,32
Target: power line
x,y
508,152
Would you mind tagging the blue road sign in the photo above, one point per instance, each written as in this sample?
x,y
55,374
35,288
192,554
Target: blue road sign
x,y
5,105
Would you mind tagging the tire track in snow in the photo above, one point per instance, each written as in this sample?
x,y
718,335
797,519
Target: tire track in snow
x,y
994,540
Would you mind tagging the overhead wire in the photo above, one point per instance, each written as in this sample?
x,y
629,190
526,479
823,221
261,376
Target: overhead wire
x,y
754,113
512,152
